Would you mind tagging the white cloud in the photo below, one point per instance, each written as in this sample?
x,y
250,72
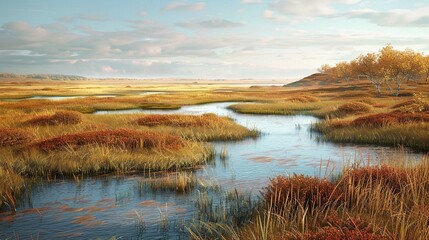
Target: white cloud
x,y
183,6
418,17
251,1
268,14
210,24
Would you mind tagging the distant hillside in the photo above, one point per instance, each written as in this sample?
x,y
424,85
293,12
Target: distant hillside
x,y
317,79
42,76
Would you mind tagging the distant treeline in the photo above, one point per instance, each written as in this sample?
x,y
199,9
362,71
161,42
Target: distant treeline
x,y
42,76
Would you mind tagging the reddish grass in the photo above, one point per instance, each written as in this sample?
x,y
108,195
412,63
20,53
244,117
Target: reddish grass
x,y
14,137
179,120
306,191
127,139
391,177
334,233
354,108
383,119
60,117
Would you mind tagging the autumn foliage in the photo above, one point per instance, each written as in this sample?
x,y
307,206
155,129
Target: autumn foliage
x,y
391,177
305,191
60,117
14,137
127,139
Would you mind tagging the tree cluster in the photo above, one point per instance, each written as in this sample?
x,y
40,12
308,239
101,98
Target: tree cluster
x,y
389,67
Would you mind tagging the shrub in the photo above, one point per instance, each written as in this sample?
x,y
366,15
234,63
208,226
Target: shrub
x,y
383,119
354,108
391,177
178,120
307,191
60,117
333,233
14,137
127,139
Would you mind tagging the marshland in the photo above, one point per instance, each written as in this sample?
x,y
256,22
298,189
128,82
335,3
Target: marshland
x,y
247,119
197,161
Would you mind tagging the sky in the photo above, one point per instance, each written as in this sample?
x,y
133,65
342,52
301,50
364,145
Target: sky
x,y
219,39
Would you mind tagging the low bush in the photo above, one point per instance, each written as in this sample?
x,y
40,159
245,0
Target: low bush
x,y
354,108
60,117
14,137
305,191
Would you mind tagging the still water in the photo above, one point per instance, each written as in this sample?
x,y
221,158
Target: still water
x,y
108,206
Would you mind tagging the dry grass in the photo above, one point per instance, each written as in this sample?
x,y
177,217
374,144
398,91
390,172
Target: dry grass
x,y
127,139
60,117
372,202
354,108
384,119
14,137
179,120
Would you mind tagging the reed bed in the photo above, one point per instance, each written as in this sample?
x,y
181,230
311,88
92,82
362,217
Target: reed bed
x,y
286,108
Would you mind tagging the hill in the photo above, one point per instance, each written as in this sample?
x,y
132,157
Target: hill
x,y
317,79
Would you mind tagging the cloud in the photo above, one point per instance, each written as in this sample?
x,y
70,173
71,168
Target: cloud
x,y
251,1
307,9
418,17
210,24
84,17
182,6
268,14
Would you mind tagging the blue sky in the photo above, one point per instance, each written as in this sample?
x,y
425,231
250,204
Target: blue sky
x,y
235,39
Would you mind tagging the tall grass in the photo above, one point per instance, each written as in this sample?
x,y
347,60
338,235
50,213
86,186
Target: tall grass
x,y
377,130
370,202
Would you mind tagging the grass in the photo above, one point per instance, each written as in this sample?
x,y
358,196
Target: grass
x,y
366,202
180,182
14,137
206,127
285,108
388,129
60,117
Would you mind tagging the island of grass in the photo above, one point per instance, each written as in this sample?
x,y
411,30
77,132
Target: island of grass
x,y
68,144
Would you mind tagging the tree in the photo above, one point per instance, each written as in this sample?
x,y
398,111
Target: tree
x,y
425,67
325,68
368,66
412,65
344,70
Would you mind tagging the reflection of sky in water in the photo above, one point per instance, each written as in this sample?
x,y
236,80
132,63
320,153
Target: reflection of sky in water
x,y
107,206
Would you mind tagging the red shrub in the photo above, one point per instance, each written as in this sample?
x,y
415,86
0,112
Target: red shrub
x,y
14,137
383,119
307,191
333,233
391,177
178,120
60,117
115,138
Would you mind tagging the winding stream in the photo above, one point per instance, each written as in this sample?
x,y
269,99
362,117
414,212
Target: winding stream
x,y
110,206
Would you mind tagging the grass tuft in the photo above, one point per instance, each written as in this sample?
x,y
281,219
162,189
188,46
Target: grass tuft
x,y
14,137
60,117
